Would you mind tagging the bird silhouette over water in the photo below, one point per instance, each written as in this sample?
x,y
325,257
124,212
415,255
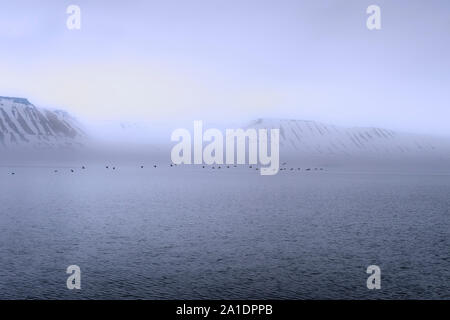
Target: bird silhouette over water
x,y
154,166
83,167
142,167
71,170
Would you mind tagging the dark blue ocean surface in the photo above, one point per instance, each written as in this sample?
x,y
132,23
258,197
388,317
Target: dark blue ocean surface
x,y
192,233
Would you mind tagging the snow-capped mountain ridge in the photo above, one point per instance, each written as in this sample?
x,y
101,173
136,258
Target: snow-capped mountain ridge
x,y
24,125
316,138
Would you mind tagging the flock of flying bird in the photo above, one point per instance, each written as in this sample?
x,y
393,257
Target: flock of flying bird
x,y
204,167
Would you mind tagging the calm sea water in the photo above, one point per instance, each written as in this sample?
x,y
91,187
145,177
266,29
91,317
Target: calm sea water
x,y
192,233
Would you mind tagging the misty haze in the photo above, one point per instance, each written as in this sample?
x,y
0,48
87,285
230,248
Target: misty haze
x,y
87,177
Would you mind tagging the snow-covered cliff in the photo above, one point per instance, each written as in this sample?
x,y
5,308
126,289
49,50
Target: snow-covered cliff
x,y
24,125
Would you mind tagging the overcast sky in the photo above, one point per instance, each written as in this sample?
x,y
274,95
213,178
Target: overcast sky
x,y
233,60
